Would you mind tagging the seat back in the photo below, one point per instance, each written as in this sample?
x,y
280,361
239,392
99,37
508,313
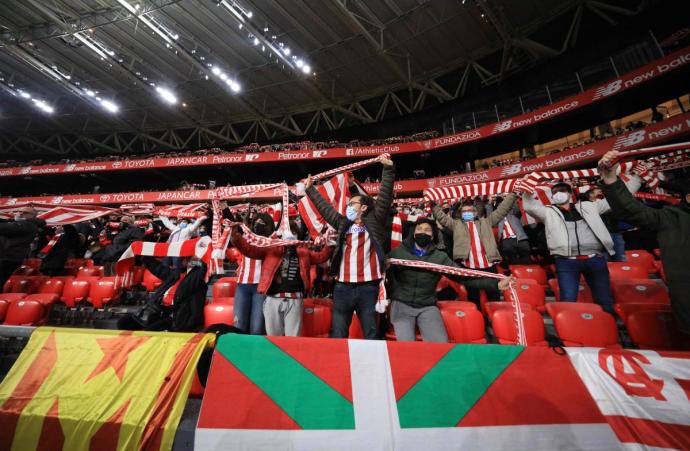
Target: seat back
x,y
46,299
316,319
54,286
11,297
463,325
4,305
505,329
32,262
534,272
584,294
102,292
459,288
641,258
218,314
150,282
491,307
553,308
86,271
225,287
75,291
625,310
529,292
25,313
625,270
653,329
639,291
462,305
25,270
597,329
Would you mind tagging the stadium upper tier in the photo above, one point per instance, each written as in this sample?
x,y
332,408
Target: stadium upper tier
x,y
422,142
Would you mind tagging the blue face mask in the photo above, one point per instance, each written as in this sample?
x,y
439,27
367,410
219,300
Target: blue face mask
x,y
351,213
183,225
467,216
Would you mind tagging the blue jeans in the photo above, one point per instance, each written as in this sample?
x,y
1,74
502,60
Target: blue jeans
x,y
619,247
596,273
248,308
354,297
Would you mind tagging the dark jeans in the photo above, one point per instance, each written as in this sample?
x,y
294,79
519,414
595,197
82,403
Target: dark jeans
x,y
492,294
516,252
248,309
175,262
596,273
619,247
354,297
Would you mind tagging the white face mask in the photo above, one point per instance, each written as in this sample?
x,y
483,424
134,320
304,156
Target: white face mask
x,y
560,197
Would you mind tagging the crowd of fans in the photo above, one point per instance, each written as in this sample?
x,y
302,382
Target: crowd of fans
x,y
578,235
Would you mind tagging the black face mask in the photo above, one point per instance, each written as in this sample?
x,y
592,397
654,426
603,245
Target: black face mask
x,y
422,239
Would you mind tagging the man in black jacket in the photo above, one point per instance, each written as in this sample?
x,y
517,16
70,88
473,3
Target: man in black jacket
x,y
15,240
358,261
127,235
177,304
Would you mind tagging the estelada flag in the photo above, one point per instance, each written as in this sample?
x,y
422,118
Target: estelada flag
x,y
79,389
330,394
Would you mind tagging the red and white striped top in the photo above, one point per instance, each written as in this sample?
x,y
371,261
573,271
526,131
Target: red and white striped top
x,y
477,258
250,271
508,231
360,262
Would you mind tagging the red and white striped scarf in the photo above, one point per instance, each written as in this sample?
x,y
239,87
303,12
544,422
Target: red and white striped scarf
x,y
180,211
477,258
336,192
359,262
443,269
508,231
48,247
397,227
198,247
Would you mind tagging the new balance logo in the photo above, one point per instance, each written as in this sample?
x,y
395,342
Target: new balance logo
x,y
70,167
56,200
604,91
629,140
251,157
319,153
25,170
511,170
502,126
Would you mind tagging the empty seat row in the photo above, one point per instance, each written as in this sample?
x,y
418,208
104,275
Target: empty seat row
x,y
71,291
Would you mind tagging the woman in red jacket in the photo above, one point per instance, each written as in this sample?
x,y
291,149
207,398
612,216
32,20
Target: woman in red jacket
x,y
284,279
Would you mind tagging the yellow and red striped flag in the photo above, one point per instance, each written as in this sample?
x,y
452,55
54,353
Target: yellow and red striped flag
x,y
81,389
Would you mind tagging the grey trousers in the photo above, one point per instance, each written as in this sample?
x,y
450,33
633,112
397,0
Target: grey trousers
x,y
283,316
405,317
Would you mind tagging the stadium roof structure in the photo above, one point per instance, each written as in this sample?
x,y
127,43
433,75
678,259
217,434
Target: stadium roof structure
x,y
110,76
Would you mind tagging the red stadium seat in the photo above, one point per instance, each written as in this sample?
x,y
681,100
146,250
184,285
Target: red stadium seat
x,y
46,299
24,284
74,292
225,287
650,329
463,324
25,313
4,305
150,282
25,270
597,329
11,297
641,258
638,291
137,275
584,294
534,272
491,307
225,301
528,292
660,268
505,330
625,310
86,271
54,286
625,270
553,308
103,292
463,305
218,314
459,288
316,319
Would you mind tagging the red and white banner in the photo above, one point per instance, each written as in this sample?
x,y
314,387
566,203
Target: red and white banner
x,y
55,215
181,211
672,128
644,395
540,115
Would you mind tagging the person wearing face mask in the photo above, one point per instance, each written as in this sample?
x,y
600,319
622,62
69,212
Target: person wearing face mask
x,y
177,304
180,231
248,303
413,290
16,238
284,280
578,240
358,259
474,244
672,227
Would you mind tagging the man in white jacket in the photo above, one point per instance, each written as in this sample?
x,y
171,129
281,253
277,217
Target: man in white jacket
x,y
578,240
181,231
